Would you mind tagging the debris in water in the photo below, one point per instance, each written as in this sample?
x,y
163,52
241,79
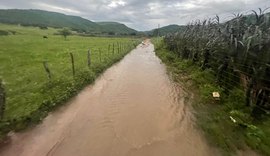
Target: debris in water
x,y
216,95
233,120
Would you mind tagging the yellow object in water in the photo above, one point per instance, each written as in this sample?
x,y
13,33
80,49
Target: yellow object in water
x,y
216,94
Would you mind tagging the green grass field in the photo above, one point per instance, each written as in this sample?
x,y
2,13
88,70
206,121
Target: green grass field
x,y
30,94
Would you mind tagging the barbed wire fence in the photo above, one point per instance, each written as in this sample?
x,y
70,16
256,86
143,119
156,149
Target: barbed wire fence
x,y
121,48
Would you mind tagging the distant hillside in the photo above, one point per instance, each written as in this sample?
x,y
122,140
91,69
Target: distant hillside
x,y
57,20
118,28
45,18
251,18
165,30
248,20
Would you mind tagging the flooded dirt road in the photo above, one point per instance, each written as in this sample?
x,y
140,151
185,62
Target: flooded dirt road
x,y
133,109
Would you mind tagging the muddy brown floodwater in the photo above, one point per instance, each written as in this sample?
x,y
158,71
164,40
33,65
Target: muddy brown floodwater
x,y
133,109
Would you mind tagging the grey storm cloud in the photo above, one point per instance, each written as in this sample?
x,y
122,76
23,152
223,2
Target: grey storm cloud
x,y
142,14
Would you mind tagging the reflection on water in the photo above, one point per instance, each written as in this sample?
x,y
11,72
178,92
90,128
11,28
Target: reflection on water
x,y
133,109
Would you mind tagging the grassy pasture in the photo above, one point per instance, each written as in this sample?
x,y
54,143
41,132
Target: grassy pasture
x,y
30,94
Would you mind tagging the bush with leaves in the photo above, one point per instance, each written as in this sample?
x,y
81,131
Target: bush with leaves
x,y
65,32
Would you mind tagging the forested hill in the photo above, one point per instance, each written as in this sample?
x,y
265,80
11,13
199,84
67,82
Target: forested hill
x,y
165,30
42,18
247,20
114,27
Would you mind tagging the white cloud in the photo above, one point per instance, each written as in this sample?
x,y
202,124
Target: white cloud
x,y
116,3
56,8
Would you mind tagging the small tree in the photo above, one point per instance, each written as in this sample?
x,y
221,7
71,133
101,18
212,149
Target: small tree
x,y
65,32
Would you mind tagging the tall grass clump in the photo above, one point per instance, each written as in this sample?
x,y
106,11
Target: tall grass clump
x,y
237,54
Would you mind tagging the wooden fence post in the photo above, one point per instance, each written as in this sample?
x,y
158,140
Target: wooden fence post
x,y
89,58
46,67
99,55
109,48
2,99
118,50
120,47
113,48
72,62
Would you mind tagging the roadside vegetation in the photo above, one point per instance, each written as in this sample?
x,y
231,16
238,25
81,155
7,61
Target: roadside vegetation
x,y
233,59
40,70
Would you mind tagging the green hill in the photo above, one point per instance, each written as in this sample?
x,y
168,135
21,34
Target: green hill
x,y
45,19
247,20
117,28
165,30
252,19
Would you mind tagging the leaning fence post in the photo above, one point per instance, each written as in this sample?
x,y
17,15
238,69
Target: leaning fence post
x,y
2,99
89,58
72,62
46,67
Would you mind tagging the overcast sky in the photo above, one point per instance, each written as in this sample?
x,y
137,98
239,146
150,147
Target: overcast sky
x,y
141,14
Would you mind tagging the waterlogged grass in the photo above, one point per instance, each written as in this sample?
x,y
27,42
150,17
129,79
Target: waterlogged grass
x,y
214,116
30,94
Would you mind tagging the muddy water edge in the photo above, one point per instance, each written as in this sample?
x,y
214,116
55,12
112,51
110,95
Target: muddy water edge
x,y
133,109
